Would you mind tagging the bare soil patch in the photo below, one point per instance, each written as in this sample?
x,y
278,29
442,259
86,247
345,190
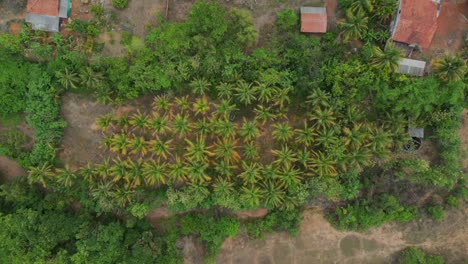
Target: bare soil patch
x,y
463,132
10,169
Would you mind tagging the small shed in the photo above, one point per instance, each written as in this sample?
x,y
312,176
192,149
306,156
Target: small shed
x,y
46,14
313,19
412,67
416,132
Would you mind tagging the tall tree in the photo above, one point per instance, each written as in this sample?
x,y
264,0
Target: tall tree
x,y
354,26
388,59
451,68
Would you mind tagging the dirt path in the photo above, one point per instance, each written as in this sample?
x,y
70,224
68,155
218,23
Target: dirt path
x,y
319,242
463,132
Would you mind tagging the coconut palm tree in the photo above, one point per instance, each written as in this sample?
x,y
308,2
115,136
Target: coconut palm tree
x,y
318,98
362,6
161,103
224,109
225,90
41,174
327,138
304,157
354,27
90,79
159,124
245,93
137,145
274,194
451,68
88,173
250,151
123,122
251,172
358,158
200,86
123,195
67,78
104,196
135,175
388,59
196,171
225,128
154,173
118,170
104,169
161,148
177,171
285,156
265,92
139,121
381,142
356,136
263,114
223,189
353,115
305,136
251,196
282,132
224,168
120,143
281,97
289,176
106,143
324,118
197,151
201,106
249,130
202,127
322,164
226,149
183,103
104,122
181,125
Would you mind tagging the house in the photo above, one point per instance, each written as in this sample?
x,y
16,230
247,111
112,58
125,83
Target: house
x,y
412,67
416,22
46,15
313,19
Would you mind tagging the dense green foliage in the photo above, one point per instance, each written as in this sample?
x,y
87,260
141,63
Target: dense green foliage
x,y
120,4
413,255
287,220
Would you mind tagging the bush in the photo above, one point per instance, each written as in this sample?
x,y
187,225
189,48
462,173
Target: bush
x,y
287,220
437,213
414,255
120,4
12,143
287,20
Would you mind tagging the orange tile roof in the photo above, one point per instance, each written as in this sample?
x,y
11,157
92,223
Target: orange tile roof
x,y
43,7
418,22
314,23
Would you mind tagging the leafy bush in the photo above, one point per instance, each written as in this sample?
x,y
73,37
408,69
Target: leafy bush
x,y
413,255
287,20
286,220
364,214
437,213
120,4
12,143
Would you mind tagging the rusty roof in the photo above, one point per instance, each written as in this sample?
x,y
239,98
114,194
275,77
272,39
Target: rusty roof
x,y
43,7
417,22
313,20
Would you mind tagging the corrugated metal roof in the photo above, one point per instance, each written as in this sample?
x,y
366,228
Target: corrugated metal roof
x,y
45,23
313,10
416,22
416,132
63,9
43,7
313,19
412,67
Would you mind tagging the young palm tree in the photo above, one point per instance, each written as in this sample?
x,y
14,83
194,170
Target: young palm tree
x,y
41,174
201,106
263,114
138,145
226,128
104,195
362,6
200,86
250,151
353,115
197,151
120,143
118,170
324,118
123,122
196,171
88,173
225,90
245,93
177,171
223,189
161,148
323,165
181,125
224,168
265,92
154,173
202,127
226,149
139,121
135,175
161,103
183,103
285,156
388,59
304,157
381,141
224,109
451,68
67,78
104,122
251,196
249,130
359,158
305,136
106,143
281,97
354,27
327,138
104,169
355,137
251,172
318,98
158,124
123,195
270,172
289,176
274,194
282,132
90,79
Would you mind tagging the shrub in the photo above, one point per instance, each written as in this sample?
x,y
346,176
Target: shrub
x,y
286,220
120,4
287,20
11,143
414,255
437,213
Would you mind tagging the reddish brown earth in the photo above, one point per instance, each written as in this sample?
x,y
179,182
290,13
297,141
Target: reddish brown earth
x,y
9,169
463,132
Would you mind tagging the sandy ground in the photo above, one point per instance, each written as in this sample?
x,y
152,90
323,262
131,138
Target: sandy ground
x,y
319,242
9,169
